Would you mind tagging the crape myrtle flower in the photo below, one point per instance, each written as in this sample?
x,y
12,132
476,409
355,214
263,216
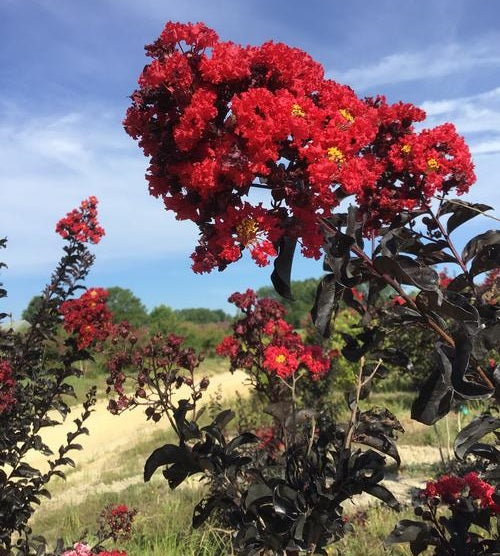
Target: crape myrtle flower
x,y
275,347
81,224
87,316
450,488
216,117
7,387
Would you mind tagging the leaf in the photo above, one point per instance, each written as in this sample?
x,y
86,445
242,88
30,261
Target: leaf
x,y
488,258
460,357
462,211
385,495
452,305
476,244
281,274
205,507
245,438
381,443
474,431
408,530
326,302
257,494
175,474
434,400
407,271
223,418
169,453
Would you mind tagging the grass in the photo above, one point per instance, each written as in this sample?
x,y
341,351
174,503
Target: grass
x,y
163,522
163,525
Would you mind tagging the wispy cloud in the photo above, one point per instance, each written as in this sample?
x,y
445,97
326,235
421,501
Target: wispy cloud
x,y
476,116
432,62
48,164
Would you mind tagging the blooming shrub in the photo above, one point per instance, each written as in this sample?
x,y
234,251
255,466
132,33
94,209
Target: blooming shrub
x,y
217,118
116,522
34,389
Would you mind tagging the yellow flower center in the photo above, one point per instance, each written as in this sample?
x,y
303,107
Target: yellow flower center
x,y
346,115
280,358
406,149
297,111
335,155
432,164
247,230
93,293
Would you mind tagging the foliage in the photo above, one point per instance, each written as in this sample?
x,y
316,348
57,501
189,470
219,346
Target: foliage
x,y
217,119
298,308
34,390
288,500
202,315
124,305
29,314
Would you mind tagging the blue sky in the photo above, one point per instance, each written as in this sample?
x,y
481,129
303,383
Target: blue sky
x,y
67,68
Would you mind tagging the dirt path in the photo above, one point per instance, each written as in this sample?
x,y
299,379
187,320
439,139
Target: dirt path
x,y
112,435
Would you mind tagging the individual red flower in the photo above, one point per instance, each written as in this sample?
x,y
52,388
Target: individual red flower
x,y
444,279
229,346
280,360
7,387
87,316
278,327
315,361
81,224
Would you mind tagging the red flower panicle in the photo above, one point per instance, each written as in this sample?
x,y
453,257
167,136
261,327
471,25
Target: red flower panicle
x,y
81,224
7,387
117,521
277,349
450,488
87,316
213,122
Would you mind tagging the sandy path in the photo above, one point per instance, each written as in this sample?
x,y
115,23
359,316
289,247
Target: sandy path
x,y
110,434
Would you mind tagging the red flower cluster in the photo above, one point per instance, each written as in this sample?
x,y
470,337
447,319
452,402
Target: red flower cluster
x,y
450,488
87,316
444,279
217,121
262,338
7,387
270,441
81,224
116,521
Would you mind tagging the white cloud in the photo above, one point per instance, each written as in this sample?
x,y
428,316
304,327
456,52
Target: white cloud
x,y
49,164
434,61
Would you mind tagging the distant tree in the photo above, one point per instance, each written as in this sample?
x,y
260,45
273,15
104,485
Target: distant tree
x,y
126,306
304,293
201,315
32,309
164,319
